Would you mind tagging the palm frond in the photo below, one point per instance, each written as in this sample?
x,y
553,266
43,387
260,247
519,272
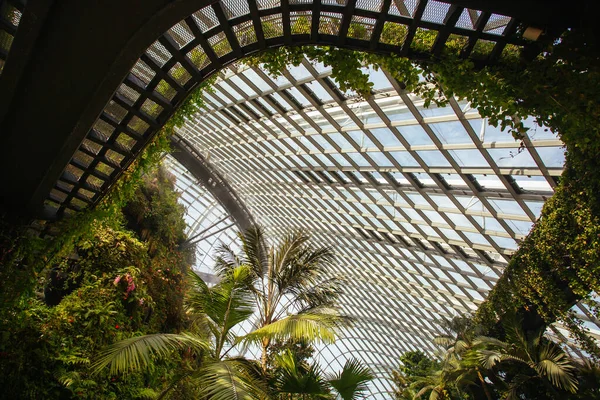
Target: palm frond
x,y
295,378
352,382
226,260
139,352
424,390
229,380
226,304
444,341
319,326
303,269
556,366
513,326
253,249
489,358
324,293
487,341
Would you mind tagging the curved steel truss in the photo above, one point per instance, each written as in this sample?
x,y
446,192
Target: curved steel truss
x,y
226,31
423,206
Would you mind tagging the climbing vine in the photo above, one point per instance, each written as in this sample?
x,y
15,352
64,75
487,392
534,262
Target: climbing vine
x,y
558,263
24,255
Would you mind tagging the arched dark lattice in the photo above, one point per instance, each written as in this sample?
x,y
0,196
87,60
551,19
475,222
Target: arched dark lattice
x,y
230,30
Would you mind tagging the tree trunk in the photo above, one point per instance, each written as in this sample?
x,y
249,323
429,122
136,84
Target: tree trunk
x,y
484,385
263,358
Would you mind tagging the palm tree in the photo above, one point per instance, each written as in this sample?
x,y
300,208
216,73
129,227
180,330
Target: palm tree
x,y
306,381
285,278
543,359
351,382
289,277
215,311
461,353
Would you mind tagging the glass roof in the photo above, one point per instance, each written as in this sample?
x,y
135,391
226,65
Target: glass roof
x,y
208,223
423,207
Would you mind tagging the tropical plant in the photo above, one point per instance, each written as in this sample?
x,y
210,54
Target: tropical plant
x,y
542,359
216,312
303,380
414,366
351,382
461,354
441,384
284,279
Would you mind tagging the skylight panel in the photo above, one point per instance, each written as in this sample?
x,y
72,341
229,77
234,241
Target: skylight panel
x,y
404,158
396,111
308,143
433,158
489,133
341,141
319,91
229,89
358,159
280,81
435,111
489,182
553,157
468,158
509,158
299,73
379,159
299,97
507,207
520,227
243,86
310,160
223,100
451,132
415,135
377,176
532,183
386,137
489,224
538,132
504,243
361,140
450,234
378,78
281,102
416,198
267,106
257,80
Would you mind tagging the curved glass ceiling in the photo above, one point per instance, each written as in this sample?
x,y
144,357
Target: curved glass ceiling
x,y
422,206
208,223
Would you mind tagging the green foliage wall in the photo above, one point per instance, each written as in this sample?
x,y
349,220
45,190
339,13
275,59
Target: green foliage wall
x,y
115,284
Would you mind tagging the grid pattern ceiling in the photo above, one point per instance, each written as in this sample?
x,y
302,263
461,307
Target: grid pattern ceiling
x,y
422,206
226,31
208,223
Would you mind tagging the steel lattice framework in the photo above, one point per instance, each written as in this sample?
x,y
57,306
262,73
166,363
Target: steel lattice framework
x,y
224,32
423,206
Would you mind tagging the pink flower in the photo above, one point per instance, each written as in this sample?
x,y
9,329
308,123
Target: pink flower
x,y
117,280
